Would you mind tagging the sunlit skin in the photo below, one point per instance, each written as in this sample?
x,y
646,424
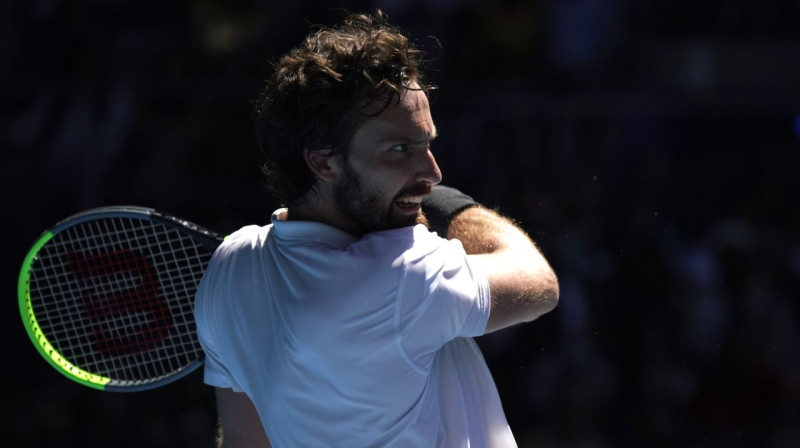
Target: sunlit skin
x,y
387,171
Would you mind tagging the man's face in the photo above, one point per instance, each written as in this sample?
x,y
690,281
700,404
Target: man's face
x,y
389,167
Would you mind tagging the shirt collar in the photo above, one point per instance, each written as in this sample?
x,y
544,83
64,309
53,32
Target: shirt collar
x,y
310,231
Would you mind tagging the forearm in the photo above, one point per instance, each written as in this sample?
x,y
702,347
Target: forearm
x,y
239,424
453,214
232,442
482,231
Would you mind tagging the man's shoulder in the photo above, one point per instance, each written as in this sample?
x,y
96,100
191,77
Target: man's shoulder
x,y
409,240
429,244
246,236
416,248
413,235
232,260
246,240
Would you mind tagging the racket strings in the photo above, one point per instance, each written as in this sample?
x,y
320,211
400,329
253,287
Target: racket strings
x,y
116,297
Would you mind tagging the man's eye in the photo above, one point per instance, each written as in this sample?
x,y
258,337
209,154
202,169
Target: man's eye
x,y
399,148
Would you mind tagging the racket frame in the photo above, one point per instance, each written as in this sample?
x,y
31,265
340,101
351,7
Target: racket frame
x,y
207,238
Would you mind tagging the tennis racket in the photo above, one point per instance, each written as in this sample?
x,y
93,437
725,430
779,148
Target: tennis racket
x,y
107,296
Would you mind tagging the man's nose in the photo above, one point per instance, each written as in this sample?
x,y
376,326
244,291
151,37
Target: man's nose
x,y
429,170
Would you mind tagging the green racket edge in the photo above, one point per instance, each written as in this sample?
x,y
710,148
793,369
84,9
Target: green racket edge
x,y
35,333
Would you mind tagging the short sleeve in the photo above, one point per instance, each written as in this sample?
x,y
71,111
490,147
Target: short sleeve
x,y
442,297
214,373
207,301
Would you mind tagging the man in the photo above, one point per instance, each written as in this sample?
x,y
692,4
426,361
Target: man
x,y
343,322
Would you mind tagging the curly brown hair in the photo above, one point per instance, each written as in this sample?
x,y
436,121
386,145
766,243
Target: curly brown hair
x,y
320,91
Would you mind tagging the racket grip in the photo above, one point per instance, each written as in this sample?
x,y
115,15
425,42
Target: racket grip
x,y
442,205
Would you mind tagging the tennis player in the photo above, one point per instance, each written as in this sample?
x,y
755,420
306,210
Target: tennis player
x,y
346,322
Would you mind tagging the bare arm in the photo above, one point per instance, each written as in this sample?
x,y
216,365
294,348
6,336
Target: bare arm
x,y
522,283
239,424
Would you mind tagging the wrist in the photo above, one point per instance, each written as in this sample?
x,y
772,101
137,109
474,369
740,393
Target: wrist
x,y
442,205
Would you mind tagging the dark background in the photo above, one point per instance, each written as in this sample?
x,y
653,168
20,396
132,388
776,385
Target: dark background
x,y
649,147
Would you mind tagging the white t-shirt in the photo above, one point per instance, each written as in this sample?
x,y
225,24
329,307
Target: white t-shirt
x,y
349,342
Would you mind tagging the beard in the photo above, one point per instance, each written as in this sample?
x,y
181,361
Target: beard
x,y
368,210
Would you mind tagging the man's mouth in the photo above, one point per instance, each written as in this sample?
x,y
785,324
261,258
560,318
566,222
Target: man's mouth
x,y
409,202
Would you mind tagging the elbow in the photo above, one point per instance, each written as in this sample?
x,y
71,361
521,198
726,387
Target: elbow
x,y
537,295
547,293
552,291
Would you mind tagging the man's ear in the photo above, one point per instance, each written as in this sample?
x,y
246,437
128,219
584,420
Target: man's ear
x,y
322,164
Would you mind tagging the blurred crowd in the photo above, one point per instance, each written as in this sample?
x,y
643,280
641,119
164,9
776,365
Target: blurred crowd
x,y
650,149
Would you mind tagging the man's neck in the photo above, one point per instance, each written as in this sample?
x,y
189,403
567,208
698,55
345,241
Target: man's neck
x,y
316,208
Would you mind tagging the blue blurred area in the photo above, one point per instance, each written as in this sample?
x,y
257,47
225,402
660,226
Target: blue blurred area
x,y
650,148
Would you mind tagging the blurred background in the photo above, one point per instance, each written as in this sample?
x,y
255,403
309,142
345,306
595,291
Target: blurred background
x,y
650,148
